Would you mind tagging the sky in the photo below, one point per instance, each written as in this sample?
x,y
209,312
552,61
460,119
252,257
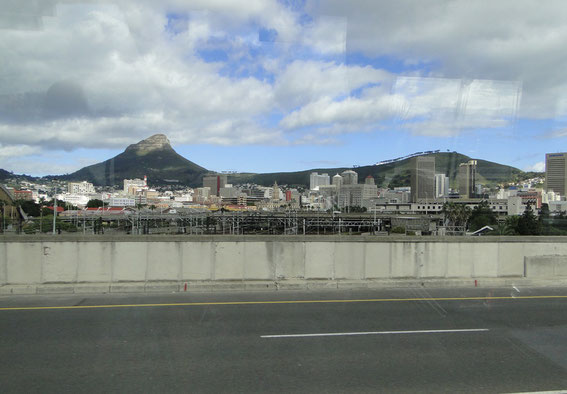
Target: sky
x,y
265,86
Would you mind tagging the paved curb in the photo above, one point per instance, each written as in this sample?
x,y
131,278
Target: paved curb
x,y
228,286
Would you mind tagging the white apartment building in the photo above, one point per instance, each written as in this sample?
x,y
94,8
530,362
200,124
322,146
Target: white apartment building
x,y
135,184
549,197
83,187
76,199
316,180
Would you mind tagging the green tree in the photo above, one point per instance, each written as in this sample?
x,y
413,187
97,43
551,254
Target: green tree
x,y
29,207
456,215
45,225
482,215
528,223
510,226
95,203
545,219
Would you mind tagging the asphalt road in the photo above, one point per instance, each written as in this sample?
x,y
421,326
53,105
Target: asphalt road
x,y
383,341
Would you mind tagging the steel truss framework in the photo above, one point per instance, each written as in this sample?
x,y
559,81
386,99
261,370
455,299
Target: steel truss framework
x,y
284,223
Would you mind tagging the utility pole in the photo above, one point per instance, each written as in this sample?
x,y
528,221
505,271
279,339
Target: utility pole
x,y
54,213
374,227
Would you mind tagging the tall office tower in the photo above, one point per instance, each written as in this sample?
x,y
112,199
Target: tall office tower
x,y
466,179
349,177
556,173
215,183
441,185
422,178
316,180
337,181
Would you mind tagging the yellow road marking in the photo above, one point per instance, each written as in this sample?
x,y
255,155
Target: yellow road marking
x,y
24,308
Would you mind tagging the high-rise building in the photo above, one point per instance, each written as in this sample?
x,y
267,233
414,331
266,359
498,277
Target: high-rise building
x,y
357,195
316,180
556,173
422,178
337,181
215,182
467,178
441,185
349,177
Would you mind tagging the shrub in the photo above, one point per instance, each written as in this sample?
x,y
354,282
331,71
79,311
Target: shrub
x,y
398,230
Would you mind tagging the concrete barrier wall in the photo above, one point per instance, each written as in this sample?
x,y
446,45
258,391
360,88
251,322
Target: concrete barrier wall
x,y
546,266
43,260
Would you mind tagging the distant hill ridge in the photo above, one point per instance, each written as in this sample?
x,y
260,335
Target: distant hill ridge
x,y
155,158
396,172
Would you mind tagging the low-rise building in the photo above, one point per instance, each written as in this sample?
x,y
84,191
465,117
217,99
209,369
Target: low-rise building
x,y
122,202
26,195
79,200
135,184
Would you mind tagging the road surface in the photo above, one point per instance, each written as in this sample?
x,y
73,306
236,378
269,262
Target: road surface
x,y
398,340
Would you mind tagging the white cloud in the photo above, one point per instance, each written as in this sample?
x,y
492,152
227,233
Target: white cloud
x,y
133,72
303,82
442,106
559,133
426,106
501,40
537,167
136,79
326,112
11,151
327,35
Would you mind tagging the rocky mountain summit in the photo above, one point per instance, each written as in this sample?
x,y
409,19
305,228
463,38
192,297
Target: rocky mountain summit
x,y
154,143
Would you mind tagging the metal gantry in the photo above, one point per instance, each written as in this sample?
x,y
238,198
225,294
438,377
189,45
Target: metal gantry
x,y
291,222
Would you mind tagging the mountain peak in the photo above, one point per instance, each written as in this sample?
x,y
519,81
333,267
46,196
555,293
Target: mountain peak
x,y
153,143
153,157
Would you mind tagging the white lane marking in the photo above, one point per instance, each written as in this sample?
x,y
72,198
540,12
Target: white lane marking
x,y
542,392
515,288
336,334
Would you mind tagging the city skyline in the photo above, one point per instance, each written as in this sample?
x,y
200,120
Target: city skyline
x,y
285,85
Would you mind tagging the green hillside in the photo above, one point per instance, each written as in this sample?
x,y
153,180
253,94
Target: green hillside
x,y
395,173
